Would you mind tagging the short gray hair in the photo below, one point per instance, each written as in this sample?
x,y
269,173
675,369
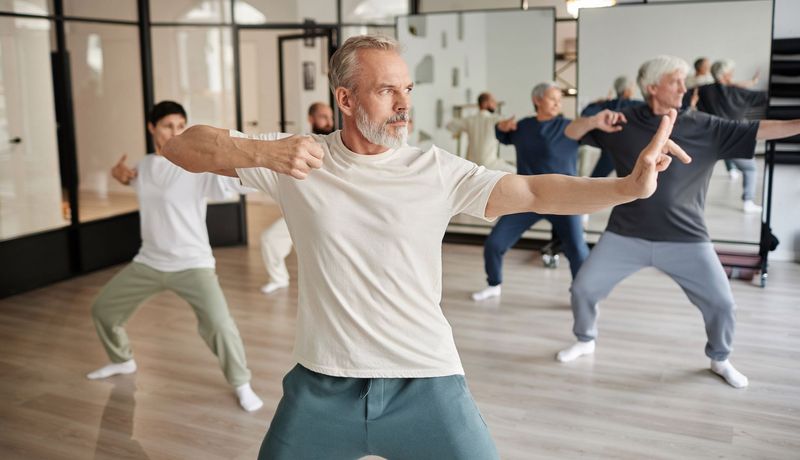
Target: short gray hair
x,y
621,83
651,72
541,88
721,67
344,62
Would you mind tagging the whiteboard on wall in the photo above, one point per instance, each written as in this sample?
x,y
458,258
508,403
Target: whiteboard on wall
x,y
616,41
453,57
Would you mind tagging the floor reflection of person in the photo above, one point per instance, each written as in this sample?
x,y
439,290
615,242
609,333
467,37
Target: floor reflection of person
x,y
115,434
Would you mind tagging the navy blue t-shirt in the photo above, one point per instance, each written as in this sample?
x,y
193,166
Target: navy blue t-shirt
x,y
542,147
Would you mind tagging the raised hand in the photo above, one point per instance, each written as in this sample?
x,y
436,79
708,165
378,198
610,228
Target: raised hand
x,y
609,121
509,124
121,172
295,156
655,158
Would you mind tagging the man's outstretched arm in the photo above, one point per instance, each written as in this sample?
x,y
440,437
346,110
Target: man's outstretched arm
x,y
777,129
558,194
605,120
207,149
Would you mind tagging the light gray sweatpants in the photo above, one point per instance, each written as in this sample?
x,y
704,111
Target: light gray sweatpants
x,y
749,180
694,266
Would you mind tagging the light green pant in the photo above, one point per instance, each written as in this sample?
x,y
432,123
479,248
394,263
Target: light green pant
x,y
199,286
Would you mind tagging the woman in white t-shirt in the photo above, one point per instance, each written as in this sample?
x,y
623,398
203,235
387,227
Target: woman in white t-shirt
x,y
175,256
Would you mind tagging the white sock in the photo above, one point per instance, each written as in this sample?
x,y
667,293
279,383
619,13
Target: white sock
x,y
487,293
272,286
248,398
577,350
726,370
128,367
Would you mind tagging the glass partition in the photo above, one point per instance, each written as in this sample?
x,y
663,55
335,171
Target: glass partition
x,y
30,181
109,113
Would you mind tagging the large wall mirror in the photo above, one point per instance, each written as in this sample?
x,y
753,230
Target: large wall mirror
x,y
453,57
615,41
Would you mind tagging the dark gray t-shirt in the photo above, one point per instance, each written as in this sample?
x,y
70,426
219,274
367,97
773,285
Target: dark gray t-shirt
x,y
675,211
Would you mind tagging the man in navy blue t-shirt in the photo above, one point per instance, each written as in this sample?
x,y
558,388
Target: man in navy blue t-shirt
x,y
625,90
542,148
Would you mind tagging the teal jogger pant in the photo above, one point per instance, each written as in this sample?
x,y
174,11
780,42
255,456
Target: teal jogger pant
x,y
338,418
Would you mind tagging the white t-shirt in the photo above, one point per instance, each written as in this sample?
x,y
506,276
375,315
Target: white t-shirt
x,y
172,212
368,233
698,80
482,146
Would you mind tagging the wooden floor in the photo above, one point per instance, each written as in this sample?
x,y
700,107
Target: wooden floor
x,y
646,394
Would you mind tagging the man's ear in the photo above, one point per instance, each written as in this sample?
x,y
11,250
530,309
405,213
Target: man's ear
x,y
345,99
150,128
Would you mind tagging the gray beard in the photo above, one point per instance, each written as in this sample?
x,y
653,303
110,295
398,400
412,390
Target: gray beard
x,y
379,133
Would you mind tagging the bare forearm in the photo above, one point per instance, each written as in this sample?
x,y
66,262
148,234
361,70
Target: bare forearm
x,y
777,129
579,127
207,149
556,194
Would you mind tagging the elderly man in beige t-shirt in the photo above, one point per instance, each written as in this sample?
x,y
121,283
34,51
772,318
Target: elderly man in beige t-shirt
x,y
378,371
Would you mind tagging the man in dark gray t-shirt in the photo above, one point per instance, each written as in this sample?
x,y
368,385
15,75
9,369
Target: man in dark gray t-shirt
x,y
675,211
667,231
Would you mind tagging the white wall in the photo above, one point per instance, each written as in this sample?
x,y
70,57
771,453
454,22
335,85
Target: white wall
x,y
787,13
502,52
109,112
615,41
517,59
30,183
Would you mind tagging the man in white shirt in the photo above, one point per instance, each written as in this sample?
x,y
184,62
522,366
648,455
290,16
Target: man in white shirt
x,y
276,242
378,371
482,146
175,256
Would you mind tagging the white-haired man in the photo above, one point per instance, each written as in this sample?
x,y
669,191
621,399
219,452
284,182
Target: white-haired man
x,y
667,230
378,371
542,148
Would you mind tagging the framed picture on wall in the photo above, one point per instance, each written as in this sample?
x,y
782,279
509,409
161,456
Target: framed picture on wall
x,y
309,75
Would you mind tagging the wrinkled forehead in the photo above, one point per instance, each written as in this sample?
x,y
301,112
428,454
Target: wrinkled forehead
x,y
677,74
382,68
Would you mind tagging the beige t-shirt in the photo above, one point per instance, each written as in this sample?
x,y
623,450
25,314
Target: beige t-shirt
x,y
368,233
482,146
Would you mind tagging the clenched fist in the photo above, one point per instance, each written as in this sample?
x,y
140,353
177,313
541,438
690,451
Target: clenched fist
x,y
295,156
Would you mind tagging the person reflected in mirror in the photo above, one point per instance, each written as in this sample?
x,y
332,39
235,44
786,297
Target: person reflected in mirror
x,y
482,145
727,99
542,148
624,89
